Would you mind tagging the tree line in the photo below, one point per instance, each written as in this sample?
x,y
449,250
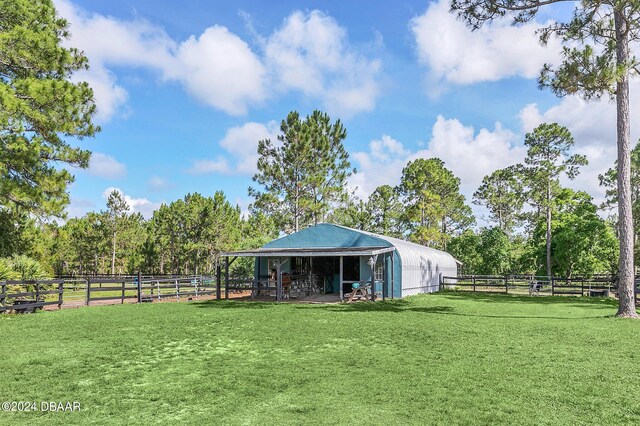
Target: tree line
x,y
534,224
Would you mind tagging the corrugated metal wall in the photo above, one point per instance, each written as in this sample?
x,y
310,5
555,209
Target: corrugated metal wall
x,y
421,267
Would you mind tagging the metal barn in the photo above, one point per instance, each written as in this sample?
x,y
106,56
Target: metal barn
x,y
332,262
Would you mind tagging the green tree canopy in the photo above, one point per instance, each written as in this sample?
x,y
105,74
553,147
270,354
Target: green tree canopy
x,y
39,108
502,193
385,210
548,158
434,207
303,173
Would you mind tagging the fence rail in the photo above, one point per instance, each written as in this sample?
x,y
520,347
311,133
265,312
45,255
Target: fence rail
x,y
535,285
29,296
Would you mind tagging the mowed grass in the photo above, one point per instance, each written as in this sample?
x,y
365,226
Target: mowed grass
x,y
449,358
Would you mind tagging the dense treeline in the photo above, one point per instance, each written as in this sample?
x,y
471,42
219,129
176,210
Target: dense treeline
x,y
183,237
534,224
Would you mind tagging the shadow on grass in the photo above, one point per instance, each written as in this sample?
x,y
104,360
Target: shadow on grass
x,y
400,306
442,310
234,304
583,302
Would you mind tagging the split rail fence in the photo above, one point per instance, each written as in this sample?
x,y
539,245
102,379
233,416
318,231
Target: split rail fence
x,y
604,286
29,296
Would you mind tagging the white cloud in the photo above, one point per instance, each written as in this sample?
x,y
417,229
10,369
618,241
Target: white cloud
x,y
158,183
311,53
207,166
106,166
242,143
454,54
137,205
219,69
386,147
107,41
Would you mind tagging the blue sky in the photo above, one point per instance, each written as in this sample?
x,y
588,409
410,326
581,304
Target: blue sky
x,y
185,90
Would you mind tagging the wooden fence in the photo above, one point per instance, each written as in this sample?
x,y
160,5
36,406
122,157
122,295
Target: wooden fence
x,y
534,285
28,296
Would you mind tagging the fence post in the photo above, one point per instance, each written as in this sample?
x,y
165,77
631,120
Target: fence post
x,y
61,290
122,298
473,279
553,292
506,285
218,281
88,292
139,287
3,294
37,292
226,276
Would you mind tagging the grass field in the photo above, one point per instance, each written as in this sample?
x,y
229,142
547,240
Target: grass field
x,y
449,358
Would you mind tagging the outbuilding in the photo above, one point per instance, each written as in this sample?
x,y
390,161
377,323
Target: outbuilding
x,y
328,259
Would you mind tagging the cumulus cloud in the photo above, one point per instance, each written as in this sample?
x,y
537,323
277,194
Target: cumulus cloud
x,y
470,155
241,143
130,43
106,166
137,205
309,54
454,54
220,69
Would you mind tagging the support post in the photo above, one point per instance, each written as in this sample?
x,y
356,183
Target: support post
x,y
226,276
257,281
218,281
384,277
88,292
122,296
473,280
341,278
392,278
278,281
372,264
61,291
139,287
506,284
553,292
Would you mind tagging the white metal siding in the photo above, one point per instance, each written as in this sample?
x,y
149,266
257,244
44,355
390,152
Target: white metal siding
x,y
422,266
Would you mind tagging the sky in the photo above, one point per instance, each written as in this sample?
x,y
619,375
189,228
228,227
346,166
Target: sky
x,y
185,90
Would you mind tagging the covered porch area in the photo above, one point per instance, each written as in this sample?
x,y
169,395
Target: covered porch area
x,y
315,274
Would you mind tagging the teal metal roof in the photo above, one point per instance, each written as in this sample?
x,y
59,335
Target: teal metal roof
x,y
326,235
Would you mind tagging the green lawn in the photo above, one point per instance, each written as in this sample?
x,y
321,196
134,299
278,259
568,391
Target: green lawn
x,y
449,358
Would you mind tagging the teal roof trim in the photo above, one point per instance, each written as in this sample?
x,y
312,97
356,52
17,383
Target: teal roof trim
x,y
326,235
